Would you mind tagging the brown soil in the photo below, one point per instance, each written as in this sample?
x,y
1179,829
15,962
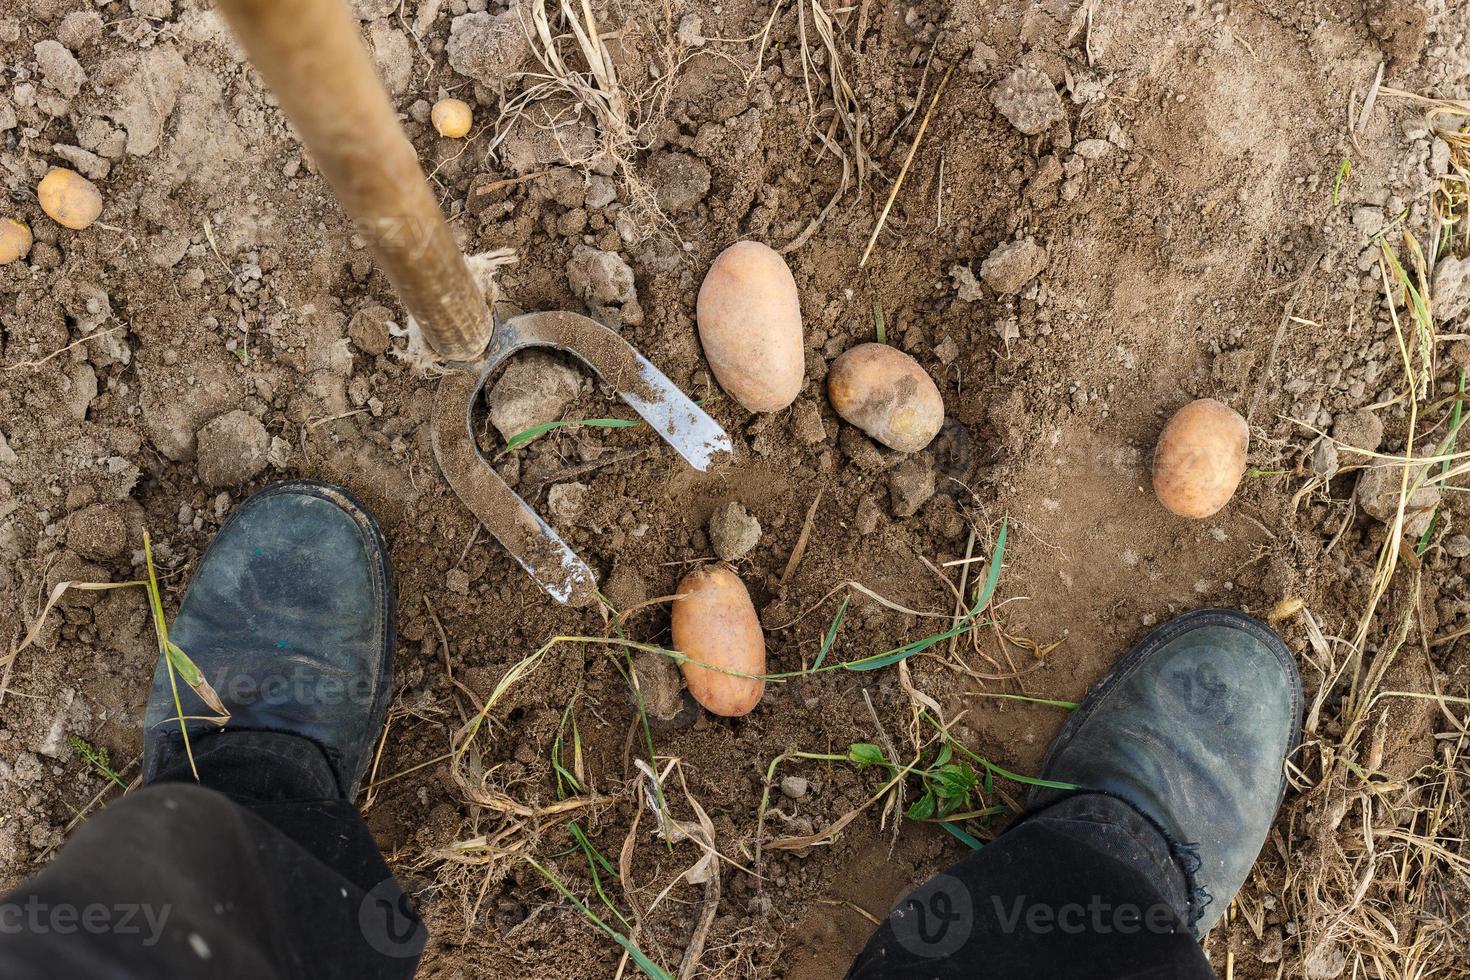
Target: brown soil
x,y
1184,199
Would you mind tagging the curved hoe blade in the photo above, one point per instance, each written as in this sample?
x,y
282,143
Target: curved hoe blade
x,y
668,411
530,540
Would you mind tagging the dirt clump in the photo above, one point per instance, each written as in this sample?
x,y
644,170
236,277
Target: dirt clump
x,y
1011,265
488,47
232,449
733,532
1028,100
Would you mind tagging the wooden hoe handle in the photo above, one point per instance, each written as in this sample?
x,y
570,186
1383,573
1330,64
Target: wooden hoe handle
x,y
312,55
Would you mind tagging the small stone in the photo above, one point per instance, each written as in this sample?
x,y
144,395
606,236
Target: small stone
x,y
733,531
279,453
794,787
601,191
232,449
600,279
967,287
368,329
1323,460
98,532
59,68
1029,100
1012,265
457,580
868,515
534,389
910,484
1457,546
1325,961
567,501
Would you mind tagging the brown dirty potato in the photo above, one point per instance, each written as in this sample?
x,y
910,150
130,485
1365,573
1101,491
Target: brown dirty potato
x,y
15,240
750,327
715,623
1200,458
885,392
69,198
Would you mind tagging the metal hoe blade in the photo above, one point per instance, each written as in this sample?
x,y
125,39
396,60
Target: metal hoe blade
x,y
529,539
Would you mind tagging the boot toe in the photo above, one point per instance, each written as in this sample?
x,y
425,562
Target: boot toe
x,y
289,616
1192,727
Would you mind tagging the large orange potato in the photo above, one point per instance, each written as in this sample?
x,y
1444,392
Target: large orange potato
x,y
715,623
884,392
1200,458
750,326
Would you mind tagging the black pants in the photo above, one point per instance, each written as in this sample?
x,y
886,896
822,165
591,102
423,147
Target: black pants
x,y
1087,888
268,875
271,875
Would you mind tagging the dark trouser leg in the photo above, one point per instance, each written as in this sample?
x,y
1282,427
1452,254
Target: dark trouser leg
x,y
268,874
1085,888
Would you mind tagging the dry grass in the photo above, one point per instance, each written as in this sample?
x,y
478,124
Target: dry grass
x,y
1373,866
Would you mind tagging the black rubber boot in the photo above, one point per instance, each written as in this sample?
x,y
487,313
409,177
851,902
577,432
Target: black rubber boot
x,y
1191,729
290,616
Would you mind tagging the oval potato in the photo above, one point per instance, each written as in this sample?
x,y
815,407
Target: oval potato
x,y
885,392
749,320
15,240
69,198
715,623
1200,458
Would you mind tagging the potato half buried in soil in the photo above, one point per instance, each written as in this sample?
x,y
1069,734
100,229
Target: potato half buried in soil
x,y
715,623
884,392
1200,458
750,327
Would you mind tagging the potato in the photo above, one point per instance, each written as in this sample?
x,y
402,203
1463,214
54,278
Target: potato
x,y
750,326
1200,458
451,117
884,392
69,198
15,240
715,623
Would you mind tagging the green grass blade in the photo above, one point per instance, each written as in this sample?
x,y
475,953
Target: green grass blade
x,y
637,955
521,438
831,636
992,578
1069,705
963,837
